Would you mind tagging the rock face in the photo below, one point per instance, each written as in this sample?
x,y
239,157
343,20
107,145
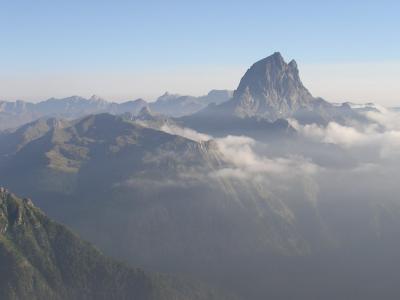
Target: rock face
x,y
271,88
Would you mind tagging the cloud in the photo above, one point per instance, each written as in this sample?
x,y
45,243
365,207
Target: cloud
x,y
186,133
242,160
333,133
387,118
383,134
246,163
367,148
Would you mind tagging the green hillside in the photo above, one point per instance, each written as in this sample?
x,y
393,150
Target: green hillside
x,y
41,259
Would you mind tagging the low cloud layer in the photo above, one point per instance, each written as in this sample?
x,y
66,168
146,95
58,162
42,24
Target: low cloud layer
x,y
186,133
383,134
247,164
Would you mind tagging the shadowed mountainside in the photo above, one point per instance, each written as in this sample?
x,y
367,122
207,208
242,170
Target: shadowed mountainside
x,y
41,259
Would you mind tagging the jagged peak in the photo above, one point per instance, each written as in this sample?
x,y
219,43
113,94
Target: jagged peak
x,y
271,88
167,96
12,209
145,111
275,58
96,98
140,100
293,65
269,69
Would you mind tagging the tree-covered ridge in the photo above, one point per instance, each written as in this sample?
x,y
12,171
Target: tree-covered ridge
x,y
41,259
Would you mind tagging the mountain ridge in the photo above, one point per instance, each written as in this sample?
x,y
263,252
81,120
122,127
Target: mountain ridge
x,y
41,259
15,114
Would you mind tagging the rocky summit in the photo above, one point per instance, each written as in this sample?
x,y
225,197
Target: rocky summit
x,y
271,88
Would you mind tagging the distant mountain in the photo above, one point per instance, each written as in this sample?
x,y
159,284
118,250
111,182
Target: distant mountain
x,y
74,106
148,118
217,123
177,105
14,114
41,259
270,90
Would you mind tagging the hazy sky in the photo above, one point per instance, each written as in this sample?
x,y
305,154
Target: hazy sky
x,y
128,49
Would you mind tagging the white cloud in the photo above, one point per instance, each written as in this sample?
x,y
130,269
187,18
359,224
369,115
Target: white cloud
x,y
385,117
383,135
246,163
382,139
186,133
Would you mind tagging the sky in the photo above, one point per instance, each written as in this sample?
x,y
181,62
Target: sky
x,y
120,50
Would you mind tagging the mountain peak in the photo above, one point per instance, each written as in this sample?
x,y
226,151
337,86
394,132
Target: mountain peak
x,y
167,97
145,114
95,98
271,88
276,56
145,111
274,59
293,64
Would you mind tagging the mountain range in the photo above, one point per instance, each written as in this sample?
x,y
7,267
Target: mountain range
x,y
175,205
14,114
271,90
254,193
176,105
